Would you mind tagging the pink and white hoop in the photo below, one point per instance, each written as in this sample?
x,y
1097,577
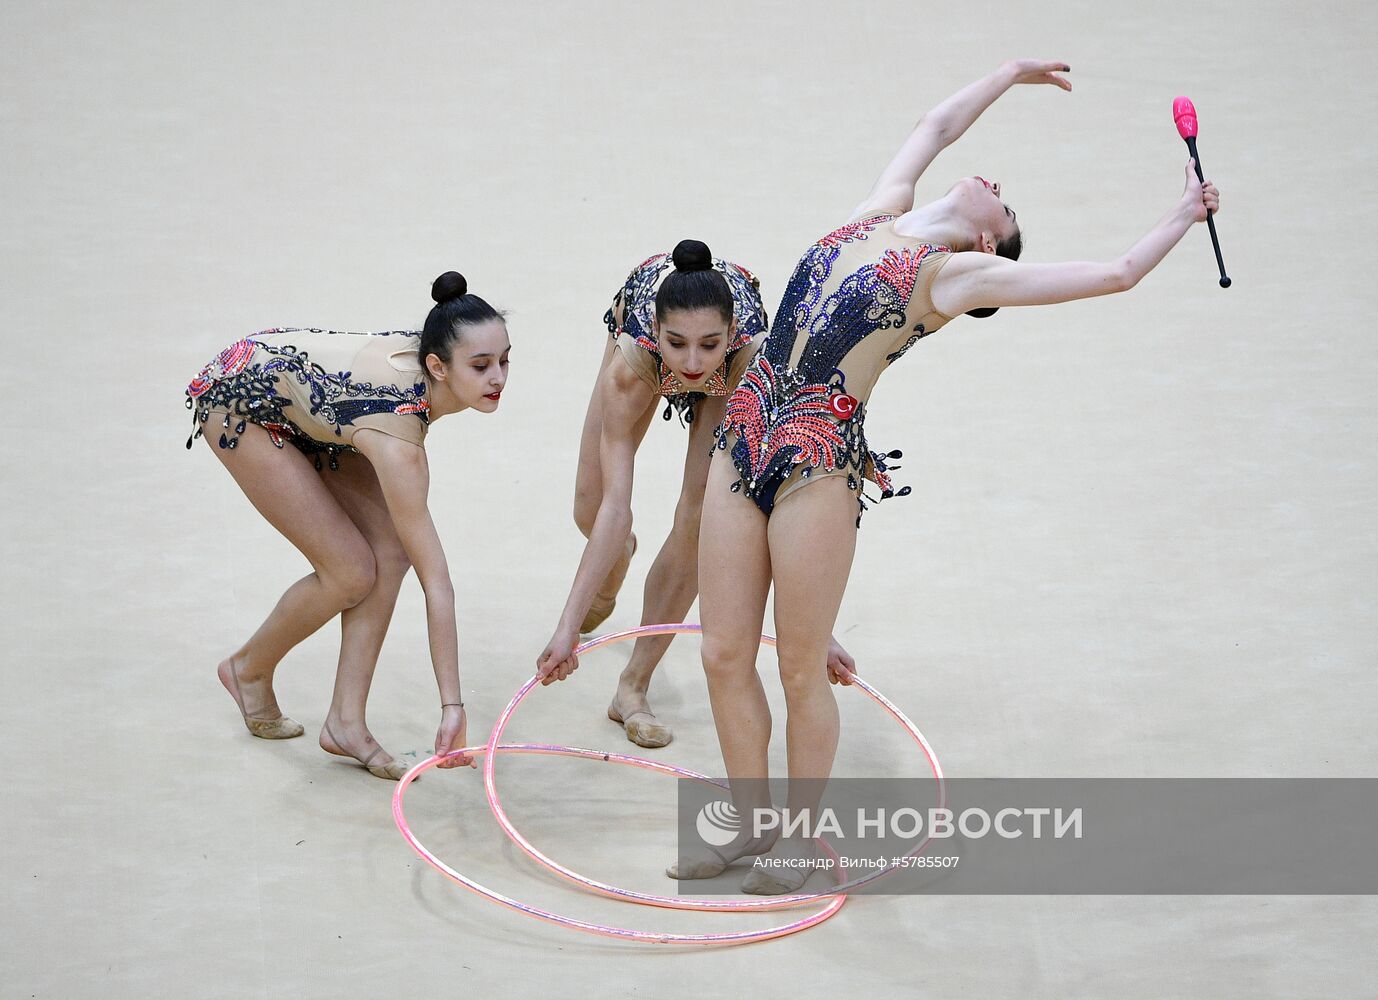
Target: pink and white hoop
x,y
834,898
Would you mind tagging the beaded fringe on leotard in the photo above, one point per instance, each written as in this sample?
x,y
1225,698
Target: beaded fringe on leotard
x,y
781,420
792,407
636,301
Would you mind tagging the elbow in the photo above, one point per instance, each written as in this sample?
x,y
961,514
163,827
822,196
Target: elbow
x,y
1122,276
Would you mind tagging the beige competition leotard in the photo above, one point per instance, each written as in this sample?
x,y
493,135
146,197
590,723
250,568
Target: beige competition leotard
x,y
314,388
858,299
629,324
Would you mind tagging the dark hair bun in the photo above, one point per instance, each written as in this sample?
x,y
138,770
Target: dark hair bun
x,y
450,285
692,255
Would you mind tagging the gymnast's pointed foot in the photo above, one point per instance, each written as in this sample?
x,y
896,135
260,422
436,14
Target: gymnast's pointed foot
x,y
708,861
354,740
606,598
599,612
266,720
784,870
632,712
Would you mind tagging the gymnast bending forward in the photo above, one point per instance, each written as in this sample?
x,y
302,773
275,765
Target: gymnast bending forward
x,y
781,505
681,329
325,434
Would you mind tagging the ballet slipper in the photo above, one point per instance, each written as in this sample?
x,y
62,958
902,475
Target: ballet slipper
x,y
691,868
603,604
642,728
775,881
281,728
391,771
599,611
759,882
688,868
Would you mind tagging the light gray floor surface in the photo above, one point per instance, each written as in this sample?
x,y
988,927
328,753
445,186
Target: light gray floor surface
x,y
1141,540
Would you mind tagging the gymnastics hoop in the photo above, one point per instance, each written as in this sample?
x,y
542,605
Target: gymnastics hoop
x,y
692,902
574,923
835,899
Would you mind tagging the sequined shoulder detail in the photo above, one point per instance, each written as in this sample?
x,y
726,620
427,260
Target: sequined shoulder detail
x,y
635,304
792,409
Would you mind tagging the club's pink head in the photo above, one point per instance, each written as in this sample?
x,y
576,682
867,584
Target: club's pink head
x,y
1184,114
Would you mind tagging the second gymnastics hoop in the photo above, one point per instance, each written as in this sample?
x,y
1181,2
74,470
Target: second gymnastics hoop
x,y
574,923
835,898
691,902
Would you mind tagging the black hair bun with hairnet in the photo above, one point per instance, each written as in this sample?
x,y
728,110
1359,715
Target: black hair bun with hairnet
x,y
692,255
450,285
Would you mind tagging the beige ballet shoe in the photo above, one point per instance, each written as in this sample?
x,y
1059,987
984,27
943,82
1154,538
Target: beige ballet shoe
x,y
391,771
642,729
599,611
777,881
603,605
691,868
281,728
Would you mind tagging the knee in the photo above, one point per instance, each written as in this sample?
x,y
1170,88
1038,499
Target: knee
x,y
725,660
586,505
353,579
802,670
392,564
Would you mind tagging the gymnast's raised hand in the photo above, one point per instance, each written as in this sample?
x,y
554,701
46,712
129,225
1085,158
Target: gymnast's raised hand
x,y
1038,71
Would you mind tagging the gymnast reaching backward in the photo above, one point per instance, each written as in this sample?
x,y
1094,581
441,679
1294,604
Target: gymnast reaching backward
x,y
781,507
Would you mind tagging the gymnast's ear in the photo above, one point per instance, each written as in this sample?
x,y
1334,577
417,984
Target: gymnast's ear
x,y
436,367
455,308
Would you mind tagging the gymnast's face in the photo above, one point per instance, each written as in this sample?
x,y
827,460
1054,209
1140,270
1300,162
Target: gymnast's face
x,y
693,342
477,371
978,201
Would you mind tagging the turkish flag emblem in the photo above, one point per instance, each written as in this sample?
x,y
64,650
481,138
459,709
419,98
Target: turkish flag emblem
x,y
843,405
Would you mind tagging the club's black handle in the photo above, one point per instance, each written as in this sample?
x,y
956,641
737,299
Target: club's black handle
x,y
1210,216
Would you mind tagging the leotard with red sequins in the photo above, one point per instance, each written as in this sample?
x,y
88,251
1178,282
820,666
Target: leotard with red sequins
x,y
857,301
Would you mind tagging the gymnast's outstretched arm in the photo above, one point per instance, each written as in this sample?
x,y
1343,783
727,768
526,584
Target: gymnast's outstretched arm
x,y
974,280
894,189
627,403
